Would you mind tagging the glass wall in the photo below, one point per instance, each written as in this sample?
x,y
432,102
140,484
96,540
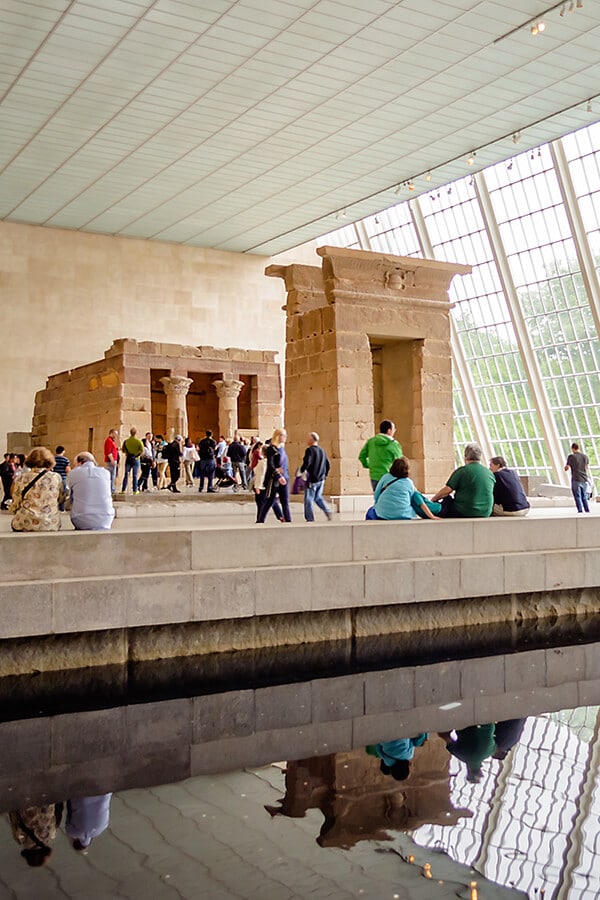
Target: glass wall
x,y
527,318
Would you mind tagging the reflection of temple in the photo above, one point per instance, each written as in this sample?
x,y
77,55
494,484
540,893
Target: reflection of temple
x,y
164,388
360,803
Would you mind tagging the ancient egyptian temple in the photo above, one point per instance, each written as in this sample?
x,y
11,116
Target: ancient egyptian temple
x,y
164,388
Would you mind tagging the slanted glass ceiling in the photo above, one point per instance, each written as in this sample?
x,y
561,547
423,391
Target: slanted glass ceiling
x,y
526,321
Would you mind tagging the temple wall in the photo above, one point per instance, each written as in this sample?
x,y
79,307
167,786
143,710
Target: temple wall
x,y
67,295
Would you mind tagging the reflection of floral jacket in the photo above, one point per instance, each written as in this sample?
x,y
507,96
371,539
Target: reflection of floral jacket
x,y
38,511
42,821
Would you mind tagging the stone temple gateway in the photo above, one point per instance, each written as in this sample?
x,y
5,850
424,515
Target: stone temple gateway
x,y
368,337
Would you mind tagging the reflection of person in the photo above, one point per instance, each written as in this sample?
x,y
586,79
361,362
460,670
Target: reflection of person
x,y
395,755
34,829
472,745
506,735
396,497
90,495
380,451
87,818
37,494
316,466
578,463
509,496
473,488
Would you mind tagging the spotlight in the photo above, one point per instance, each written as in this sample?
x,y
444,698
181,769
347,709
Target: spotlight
x,y
471,158
534,29
344,214
428,176
432,197
589,106
532,156
410,186
541,26
516,137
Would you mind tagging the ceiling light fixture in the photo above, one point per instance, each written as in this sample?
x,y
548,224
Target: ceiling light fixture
x,y
398,189
516,137
541,26
427,176
510,165
534,29
411,186
589,106
471,157
344,214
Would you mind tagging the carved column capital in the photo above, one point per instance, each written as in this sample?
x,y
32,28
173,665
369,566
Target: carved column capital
x,y
176,384
228,388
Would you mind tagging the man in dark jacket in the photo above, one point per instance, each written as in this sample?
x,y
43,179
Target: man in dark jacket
x,y
207,451
173,453
509,496
237,456
316,466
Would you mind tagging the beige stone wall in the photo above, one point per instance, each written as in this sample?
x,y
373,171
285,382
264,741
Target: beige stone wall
x,y
67,295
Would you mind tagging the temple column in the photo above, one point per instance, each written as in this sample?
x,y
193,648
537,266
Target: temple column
x,y
176,388
228,390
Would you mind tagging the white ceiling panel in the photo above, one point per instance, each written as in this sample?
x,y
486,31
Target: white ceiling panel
x,y
248,124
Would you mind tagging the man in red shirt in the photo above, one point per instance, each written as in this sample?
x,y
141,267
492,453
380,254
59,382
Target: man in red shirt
x,y
111,456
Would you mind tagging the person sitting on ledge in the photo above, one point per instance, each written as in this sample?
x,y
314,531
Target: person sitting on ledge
x,y
509,496
396,497
37,494
473,488
90,495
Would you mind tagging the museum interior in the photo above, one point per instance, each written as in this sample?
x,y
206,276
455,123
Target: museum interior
x,y
248,215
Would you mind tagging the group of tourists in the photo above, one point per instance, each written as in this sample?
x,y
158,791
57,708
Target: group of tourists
x,y
471,491
37,487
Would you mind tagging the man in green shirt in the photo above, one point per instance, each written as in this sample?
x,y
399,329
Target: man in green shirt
x,y
380,451
473,487
133,449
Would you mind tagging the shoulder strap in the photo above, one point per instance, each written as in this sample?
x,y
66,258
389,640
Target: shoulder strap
x,y
32,482
387,485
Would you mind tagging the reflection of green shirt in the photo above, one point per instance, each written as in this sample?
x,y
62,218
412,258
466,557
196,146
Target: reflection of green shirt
x,y
473,487
473,744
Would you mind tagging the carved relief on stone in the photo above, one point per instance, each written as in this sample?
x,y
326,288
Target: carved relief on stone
x,y
176,388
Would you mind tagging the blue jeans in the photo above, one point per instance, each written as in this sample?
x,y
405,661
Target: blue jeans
x,y
580,492
241,468
112,468
207,470
313,493
133,466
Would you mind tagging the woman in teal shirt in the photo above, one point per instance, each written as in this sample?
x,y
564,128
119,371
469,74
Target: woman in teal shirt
x,y
396,497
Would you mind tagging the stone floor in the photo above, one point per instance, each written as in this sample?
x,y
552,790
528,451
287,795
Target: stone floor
x,y
143,513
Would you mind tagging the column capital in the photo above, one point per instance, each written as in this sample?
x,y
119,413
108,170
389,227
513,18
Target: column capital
x,y
228,388
176,384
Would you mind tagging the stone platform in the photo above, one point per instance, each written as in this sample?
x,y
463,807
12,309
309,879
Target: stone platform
x,y
81,598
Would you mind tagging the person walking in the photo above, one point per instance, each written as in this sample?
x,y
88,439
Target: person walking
x,y
380,451
276,477
146,460
7,471
578,463
316,466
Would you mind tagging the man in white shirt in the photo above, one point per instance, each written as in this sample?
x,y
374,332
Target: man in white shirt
x,y
90,495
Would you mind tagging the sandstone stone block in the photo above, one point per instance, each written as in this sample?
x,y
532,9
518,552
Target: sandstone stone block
x,y
85,736
283,706
25,609
219,716
224,594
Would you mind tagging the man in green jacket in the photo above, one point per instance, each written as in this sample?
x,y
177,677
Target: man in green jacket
x,y
133,449
380,451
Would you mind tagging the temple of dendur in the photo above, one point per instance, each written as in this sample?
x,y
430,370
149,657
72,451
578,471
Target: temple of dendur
x,y
164,388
